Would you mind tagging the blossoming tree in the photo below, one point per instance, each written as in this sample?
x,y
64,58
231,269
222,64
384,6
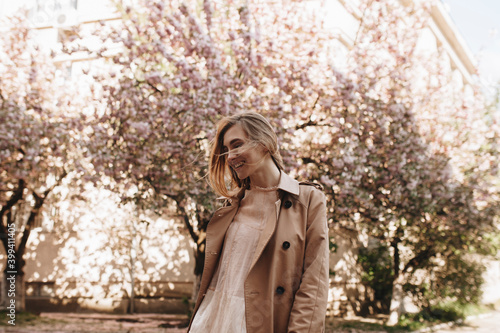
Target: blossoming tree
x,y
390,136
180,68
408,153
38,136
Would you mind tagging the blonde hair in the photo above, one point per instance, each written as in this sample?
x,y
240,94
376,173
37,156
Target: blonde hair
x,y
258,130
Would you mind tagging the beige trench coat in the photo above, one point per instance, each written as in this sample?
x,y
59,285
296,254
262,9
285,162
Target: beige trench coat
x,y
286,289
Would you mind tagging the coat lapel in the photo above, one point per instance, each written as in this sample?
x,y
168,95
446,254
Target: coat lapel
x,y
266,234
286,185
216,231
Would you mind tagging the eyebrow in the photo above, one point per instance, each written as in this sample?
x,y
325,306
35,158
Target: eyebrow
x,y
233,141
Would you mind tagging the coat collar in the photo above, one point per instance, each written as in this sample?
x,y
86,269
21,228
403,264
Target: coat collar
x,y
287,184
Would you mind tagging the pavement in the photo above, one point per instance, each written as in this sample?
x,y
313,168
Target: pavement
x,y
161,323
485,323
56,322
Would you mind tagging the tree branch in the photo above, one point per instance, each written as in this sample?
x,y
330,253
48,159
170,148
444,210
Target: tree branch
x,y
185,218
16,196
35,211
39,200
312,123
419,259
14,199
397,259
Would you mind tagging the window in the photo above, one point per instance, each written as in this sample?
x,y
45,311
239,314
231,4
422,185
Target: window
x,y
53,12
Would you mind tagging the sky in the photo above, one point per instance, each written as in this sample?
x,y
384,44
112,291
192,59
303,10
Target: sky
x,y
478,21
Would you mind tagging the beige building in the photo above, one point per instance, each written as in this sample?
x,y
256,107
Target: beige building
x,y
97,256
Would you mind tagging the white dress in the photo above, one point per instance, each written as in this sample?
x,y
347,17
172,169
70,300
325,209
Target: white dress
x,y
223,308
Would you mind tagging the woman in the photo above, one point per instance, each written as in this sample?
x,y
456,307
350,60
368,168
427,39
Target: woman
x,y
266,264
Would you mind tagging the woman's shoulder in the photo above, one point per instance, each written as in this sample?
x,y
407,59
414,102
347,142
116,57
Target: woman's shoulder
x,y
310,192
303,191
316,185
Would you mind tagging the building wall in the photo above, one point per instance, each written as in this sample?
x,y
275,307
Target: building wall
x,y
80,257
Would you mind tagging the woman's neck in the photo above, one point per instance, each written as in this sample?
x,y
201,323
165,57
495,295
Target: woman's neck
x,y
267,176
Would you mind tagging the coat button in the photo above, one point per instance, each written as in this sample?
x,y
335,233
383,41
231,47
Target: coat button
x,y
286,245
288,204
280,290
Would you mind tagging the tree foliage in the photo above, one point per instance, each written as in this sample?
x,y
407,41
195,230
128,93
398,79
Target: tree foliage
x,y
181,67
408,154
39,133
412,151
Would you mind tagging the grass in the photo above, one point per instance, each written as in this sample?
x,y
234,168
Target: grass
x,y
361,324
24,318
443,313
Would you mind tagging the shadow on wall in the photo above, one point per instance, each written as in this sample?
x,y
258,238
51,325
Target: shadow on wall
x,y
95,255
348,296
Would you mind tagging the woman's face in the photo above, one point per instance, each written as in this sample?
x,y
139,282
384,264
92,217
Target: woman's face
x,y
243,156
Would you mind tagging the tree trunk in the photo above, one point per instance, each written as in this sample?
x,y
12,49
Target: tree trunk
x,y
133,257
14,268
196,288
397,299
14,290
199,263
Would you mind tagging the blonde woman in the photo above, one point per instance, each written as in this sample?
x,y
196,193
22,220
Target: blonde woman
x,y
266,264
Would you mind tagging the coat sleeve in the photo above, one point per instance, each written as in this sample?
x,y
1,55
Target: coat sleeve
x,y
309,306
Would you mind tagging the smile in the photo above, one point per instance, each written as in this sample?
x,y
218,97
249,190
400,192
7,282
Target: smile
x,y
238,165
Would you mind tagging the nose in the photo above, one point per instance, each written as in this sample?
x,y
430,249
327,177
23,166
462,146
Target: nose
x,y
231,155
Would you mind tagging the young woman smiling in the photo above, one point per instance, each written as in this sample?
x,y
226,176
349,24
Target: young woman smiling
x,y
266,264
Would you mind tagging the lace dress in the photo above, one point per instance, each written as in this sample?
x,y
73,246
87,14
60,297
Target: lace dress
x,y
223,308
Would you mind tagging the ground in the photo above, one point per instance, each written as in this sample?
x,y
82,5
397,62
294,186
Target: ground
x,y
159,323
487,323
